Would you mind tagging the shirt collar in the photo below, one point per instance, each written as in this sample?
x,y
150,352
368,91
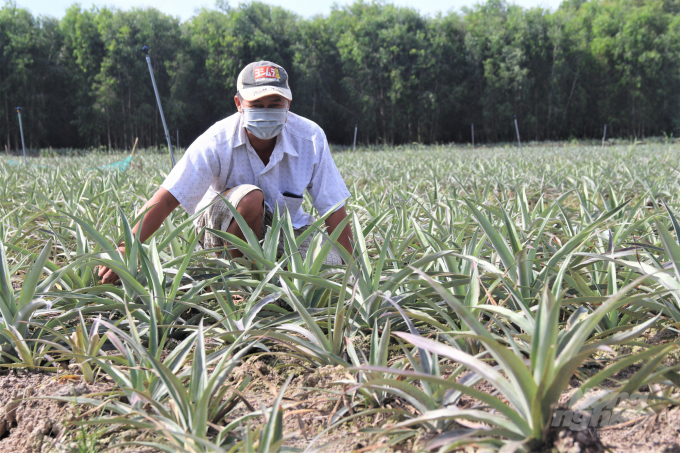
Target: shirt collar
x,y
240,138
282,140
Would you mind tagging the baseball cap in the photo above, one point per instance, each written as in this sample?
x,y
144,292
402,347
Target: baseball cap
x,y
263,78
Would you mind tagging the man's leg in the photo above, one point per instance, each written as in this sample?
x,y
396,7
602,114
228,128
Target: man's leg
x,y
251,208
332,259
248,201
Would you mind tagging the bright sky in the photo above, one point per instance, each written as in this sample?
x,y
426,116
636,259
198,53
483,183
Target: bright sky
x,y
306,8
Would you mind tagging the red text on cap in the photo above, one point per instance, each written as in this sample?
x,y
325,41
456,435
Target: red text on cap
x,y
267,72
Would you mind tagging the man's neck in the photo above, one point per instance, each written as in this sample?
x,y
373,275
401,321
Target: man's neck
x,y
263,148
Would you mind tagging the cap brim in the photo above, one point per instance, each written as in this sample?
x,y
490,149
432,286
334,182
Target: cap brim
x,y
252,94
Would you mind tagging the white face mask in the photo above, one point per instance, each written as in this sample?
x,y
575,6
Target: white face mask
x,y
264,123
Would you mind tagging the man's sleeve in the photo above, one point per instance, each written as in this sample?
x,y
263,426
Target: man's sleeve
x,y
327,187
192,176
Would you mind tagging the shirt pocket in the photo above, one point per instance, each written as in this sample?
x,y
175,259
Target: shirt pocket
x,y
293,203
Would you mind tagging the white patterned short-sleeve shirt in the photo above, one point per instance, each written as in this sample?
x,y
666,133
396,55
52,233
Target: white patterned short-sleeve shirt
x,y
223,158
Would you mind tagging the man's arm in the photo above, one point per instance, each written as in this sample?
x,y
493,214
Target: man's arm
x,y
333,220
162,204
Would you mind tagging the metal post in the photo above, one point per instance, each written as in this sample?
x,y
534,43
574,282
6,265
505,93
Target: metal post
x,y
356,126
473,134
177,138
518,140
145,49
604,137
21,130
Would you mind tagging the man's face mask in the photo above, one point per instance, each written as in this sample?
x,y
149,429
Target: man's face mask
x,y
264,123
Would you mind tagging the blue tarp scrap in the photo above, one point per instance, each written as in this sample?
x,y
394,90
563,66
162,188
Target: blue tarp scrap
x,y
120,165
12,162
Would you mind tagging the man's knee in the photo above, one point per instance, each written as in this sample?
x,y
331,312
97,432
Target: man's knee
x,y
252,205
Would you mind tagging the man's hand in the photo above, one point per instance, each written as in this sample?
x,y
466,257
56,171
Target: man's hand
x,y
106,274
161,205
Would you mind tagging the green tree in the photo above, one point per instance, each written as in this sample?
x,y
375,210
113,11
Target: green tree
x,y
402,77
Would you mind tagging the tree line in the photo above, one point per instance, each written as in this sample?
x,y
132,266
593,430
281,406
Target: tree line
x,y
402,77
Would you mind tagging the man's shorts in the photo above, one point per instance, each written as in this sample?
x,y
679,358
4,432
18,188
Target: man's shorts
x,y
219,217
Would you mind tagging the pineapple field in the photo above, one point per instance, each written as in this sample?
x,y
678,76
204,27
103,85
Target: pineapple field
x,y
496,300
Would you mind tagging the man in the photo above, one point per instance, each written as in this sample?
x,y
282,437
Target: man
x,y
258,158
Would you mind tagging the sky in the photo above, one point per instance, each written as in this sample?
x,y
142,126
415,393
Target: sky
x,y
305,8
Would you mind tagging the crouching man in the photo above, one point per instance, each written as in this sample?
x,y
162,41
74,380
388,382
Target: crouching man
x,y
261,157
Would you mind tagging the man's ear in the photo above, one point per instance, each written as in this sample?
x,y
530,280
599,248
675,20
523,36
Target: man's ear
x,y
238,103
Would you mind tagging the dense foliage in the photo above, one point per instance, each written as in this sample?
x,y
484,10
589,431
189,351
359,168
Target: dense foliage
x,y
402,77
484,287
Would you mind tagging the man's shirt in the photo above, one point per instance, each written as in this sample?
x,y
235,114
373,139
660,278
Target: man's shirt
x,y
223,158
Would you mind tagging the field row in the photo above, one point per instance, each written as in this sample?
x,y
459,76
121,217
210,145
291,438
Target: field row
x,y
493,300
